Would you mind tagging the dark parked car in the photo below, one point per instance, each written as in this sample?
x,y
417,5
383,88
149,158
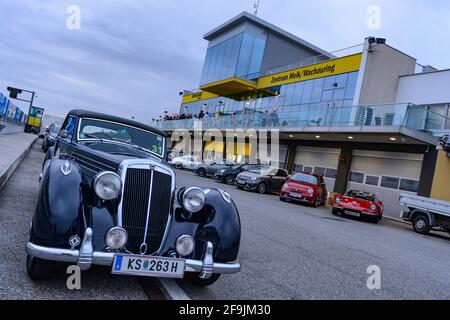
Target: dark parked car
x,y
262,179
107,197
50,136
228,175
305,188
211,168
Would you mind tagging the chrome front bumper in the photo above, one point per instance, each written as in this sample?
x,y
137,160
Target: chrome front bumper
x,y
86,257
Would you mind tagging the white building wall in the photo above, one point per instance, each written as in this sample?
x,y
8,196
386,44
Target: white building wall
x,y
425,88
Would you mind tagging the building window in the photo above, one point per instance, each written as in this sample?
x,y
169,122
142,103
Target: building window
x,y
308,169
356,177
298,168
331,173
390,182
409,185
320,171
372,181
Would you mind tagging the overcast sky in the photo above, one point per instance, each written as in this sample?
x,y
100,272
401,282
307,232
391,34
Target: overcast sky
x,y
132,58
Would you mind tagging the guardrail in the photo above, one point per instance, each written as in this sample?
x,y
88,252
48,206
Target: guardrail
x,y
406,115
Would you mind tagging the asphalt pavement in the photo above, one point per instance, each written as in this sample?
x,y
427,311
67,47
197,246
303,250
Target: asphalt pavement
x,y
288,251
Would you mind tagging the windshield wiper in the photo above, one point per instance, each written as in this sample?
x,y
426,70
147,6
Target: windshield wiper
x,y
92,136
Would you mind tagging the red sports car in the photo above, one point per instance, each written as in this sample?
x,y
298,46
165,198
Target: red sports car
x,y
306,188
359,204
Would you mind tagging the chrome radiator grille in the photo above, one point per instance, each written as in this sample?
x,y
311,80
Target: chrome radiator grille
x,y
145,208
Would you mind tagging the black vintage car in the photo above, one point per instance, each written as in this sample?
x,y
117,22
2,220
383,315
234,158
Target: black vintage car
x,y
107,197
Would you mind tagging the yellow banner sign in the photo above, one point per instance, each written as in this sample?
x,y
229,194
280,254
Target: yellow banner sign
x,y
198,96
323,69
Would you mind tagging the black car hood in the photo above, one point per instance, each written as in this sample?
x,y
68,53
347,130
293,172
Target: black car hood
x,y
100,156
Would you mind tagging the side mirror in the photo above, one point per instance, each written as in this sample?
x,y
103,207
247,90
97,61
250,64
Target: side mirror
x,y
47,129
63,134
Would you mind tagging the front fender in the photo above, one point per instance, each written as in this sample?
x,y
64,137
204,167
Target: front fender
x,y
218,223
59,210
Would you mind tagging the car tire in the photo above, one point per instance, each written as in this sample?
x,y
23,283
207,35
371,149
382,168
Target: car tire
x,y
39,269
229,179
261,188
335,212
316,203
283,199
202,172
179,166
196,280
421,224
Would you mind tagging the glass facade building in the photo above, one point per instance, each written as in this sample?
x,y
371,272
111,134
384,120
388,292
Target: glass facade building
x,y
303,101
240,56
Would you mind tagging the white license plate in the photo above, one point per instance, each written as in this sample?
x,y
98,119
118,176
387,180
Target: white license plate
x,y
148,266
353,214
295,195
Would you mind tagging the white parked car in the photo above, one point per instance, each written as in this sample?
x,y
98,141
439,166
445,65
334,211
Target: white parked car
x,y
185,162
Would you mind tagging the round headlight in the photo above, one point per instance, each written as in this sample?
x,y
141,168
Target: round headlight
x,y
373,207
107,185
254,178
116,238
193,199
185,245
285,186
310,191
337,200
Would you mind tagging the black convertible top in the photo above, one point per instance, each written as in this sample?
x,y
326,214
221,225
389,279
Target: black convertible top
x,y
102,116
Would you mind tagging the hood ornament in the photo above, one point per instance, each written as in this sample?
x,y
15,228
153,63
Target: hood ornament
x,y
66,168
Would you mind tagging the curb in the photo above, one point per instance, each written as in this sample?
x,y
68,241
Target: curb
x,y
396,220
171,290
5,175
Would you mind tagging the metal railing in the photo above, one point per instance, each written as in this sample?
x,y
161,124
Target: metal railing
x,y
405,115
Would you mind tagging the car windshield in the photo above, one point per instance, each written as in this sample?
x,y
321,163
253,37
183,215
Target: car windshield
x,y
56,128
304,178
111,131
361,195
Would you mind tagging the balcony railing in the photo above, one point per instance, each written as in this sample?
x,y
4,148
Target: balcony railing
x,y
404,115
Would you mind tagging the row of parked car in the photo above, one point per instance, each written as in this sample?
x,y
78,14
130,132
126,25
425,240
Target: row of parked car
x,y
299,187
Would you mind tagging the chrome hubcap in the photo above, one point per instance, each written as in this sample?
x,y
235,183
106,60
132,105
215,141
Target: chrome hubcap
x,y
420,224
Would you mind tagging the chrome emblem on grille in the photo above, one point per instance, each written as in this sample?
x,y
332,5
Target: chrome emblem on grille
x,y
66,168
143,248
74,241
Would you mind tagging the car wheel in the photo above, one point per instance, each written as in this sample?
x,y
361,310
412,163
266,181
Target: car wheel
x,y
262,188
195,279
179,166
421,224
229,179
335,212
282,199
202,172
316,203
39,269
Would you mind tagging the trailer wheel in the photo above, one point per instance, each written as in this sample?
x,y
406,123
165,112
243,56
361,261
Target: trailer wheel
x,y
421,224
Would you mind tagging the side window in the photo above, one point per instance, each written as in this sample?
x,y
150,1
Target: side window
x,y
282,173
70,127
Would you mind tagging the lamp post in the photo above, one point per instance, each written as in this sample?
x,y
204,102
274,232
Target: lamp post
x,y
14,92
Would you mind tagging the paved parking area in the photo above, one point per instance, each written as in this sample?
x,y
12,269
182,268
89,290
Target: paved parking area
x,y
290,251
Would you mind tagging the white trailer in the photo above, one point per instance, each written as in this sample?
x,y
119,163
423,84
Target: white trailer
x,y
426,214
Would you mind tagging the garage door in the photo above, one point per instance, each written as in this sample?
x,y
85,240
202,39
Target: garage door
x,y
323,161
387,174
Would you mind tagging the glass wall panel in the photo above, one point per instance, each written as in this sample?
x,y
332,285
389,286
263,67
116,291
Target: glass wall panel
x,y
245,54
